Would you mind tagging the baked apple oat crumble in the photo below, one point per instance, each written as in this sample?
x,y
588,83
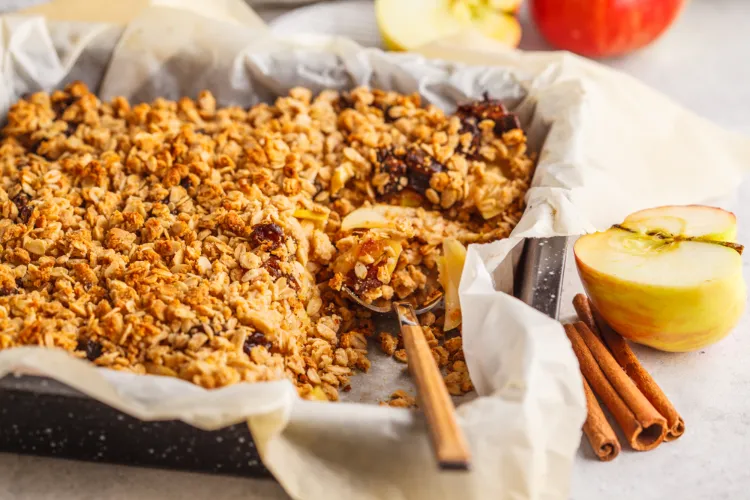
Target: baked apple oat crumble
x,y
210,244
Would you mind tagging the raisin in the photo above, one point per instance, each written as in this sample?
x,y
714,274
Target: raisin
x,y
394,166
92,348
4,292
387,115
70,129
345,101
386,109
254,340
273,267
362,285
292,282
268,235
486,109
60,106
506,124
21,200
19,283
469,126
420,168
414,165
186,183
30,144
25,214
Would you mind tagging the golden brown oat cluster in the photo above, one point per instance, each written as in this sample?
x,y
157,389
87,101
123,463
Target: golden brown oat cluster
x,y
206,243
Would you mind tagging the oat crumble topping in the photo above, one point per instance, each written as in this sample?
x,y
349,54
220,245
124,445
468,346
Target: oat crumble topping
x,y
206,243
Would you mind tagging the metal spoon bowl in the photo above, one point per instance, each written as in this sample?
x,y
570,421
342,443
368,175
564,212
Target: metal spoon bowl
x,y
386,307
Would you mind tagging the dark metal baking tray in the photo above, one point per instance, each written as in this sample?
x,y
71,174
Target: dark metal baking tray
x,y
39,416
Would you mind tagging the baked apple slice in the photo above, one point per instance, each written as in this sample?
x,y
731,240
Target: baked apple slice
x,y
450,267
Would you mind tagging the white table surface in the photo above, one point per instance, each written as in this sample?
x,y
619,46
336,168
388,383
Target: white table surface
x,y
703,63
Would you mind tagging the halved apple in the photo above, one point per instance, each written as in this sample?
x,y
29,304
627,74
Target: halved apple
x,y
668,277
406,25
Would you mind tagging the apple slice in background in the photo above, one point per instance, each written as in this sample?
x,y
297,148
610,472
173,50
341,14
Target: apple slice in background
x,y
408,24
668,277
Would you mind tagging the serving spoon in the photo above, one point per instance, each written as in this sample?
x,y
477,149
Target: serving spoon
x,y
448,441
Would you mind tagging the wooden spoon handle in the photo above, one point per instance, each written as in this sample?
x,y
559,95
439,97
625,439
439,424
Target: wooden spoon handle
x,y
447,438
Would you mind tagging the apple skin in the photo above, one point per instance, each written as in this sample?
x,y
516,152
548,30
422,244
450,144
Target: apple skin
x,y
674,319
603,28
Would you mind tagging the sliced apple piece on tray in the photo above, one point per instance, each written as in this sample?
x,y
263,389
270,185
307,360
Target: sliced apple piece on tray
x,y
668,277
450,267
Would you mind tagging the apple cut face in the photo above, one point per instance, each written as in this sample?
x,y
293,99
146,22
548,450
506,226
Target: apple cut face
x,y
647,261
689,221
665,277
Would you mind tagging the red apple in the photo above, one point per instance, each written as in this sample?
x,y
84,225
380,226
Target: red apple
x,y
603,28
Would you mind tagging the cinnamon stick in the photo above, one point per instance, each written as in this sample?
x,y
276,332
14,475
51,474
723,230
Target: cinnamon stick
x,y
642,425
600,434
627,359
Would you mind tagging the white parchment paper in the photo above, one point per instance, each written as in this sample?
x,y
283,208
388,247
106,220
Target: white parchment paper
x,y
607,146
